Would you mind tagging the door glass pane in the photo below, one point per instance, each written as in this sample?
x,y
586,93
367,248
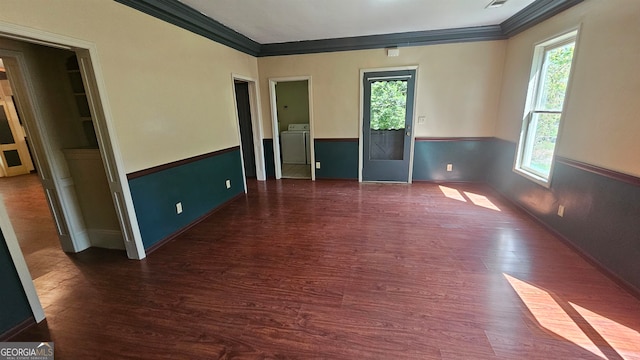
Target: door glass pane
x,y
12,157
388,115
6,137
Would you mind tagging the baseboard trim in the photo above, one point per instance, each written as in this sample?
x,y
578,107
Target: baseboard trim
x,y
106,239
336,139
622,283
335,179
439,182
7,335
454,138
195,222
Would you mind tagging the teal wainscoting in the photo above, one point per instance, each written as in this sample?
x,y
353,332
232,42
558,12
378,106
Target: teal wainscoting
x,y
338,158
601,215
198,183
268,158
470,157
14,306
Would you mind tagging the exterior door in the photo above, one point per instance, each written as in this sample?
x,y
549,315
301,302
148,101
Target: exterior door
x,y
14,154
387,125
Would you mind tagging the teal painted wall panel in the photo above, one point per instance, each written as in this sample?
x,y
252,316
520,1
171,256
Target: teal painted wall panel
x,y
471,160
338,159
14,306
199,185
601,215
268,158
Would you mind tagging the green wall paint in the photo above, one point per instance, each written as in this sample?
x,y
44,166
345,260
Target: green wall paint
x,y
601,217
470,159
292,98
14,306
199,185
338,159
268,158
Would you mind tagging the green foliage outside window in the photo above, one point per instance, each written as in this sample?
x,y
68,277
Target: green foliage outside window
x,y
388,105
553,87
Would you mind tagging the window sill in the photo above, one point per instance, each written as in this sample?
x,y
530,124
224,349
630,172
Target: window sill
x,y
546,183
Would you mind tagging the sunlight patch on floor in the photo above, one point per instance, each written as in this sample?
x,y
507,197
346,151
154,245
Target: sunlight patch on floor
x,y
551,316
481,200
452,193
476,199
624,340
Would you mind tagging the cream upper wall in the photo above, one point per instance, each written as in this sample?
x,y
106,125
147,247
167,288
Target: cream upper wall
x,y
458,87
601,121
170,91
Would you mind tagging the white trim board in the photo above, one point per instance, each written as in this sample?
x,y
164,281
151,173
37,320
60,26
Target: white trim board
x,y
274,123
256,126
19,263
103,122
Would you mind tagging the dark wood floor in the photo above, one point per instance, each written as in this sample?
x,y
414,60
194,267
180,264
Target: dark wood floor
x,y
32,221
341,270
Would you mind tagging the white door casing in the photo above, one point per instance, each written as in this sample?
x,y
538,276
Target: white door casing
x,y
62,210
256,126
65,215
118,184
21,266
274,123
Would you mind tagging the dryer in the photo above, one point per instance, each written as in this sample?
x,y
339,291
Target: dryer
x,y
295,144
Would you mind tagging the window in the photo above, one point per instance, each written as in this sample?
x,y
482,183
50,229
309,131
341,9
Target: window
x,y
545,101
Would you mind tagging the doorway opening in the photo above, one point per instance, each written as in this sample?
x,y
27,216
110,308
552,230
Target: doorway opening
x,y
91,219
78,198
292,120
386,135
245,94
15,155
243,107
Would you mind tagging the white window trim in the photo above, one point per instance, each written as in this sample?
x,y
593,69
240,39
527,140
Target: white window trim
x,y
536,67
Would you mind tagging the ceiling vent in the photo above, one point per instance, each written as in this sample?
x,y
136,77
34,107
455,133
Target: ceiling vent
x,y
495,4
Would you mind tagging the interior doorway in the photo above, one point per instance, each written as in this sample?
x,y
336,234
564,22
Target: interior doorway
x,y
56,91
15,158
291,112
243,106
91,219
247,98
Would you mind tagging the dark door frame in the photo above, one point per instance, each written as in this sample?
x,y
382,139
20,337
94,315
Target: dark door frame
x,y
361,126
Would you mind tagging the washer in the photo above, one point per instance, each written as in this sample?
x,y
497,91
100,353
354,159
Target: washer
x,y
295,144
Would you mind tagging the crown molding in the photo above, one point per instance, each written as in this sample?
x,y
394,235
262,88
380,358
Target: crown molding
x,y
535,13
175,12
415,38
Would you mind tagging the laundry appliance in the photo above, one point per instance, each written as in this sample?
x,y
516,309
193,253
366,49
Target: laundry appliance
x,y
295,143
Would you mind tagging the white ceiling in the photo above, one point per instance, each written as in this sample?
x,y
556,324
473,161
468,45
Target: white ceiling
x,y
274,21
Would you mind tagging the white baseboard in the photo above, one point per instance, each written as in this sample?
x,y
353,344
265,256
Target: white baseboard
x,y
108,239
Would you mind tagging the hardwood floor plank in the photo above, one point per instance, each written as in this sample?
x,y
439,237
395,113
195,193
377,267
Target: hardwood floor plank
x,y
335,270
